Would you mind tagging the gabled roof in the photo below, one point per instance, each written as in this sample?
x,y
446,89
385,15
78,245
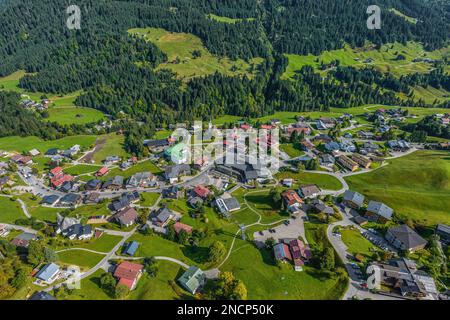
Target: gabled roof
x,y
131,248
281,251
309,190
354,197
202,191
126,216
178,227
127,273
192,279
380,209
407,236
47,271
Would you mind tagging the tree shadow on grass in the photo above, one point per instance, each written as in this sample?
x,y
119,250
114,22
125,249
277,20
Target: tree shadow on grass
x,y
96,281
196,254
321,275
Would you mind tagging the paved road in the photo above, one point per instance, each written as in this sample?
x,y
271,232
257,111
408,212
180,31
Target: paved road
x,y
16,227
354,288
102,263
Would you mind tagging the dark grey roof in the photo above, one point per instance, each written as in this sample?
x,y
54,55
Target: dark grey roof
x,y
354,197
177,170
51,199
232,203
443,228
42,296
94,183
26,236
309,190
70,198
380,209
163,214
407,236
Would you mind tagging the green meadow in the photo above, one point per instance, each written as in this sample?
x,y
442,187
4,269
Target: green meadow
x,y
20,144
74,115
384,59
180,46
416,186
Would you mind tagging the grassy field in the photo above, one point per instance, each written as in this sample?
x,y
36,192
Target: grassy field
x,y
140,167
10,210
83,259
103,244
287,117
265,280
356,243
38,211
81,169
324,181
21,144
181,46
111,145
260,201
159,288
404,16
384,58
74,115
290,150
148,288
150,198
415,186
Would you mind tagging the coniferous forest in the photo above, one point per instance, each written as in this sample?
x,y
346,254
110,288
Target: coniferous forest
x,y
116,72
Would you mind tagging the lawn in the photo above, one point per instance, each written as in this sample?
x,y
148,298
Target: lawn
x,y
148,288
159,287
81,169
384,58
103,244
90,289
182,45
11,83
260,201
265,280
154,245
356,243
291,150
38,211
145,166
149,199
10,210
324,181
74,115
415,186
83,259
110,145
91,210
21,144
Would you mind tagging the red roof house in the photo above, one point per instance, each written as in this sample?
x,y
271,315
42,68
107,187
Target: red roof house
x,y
128,273
299,250
102,172
202,191
292,199
57,181
56,171
178,226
